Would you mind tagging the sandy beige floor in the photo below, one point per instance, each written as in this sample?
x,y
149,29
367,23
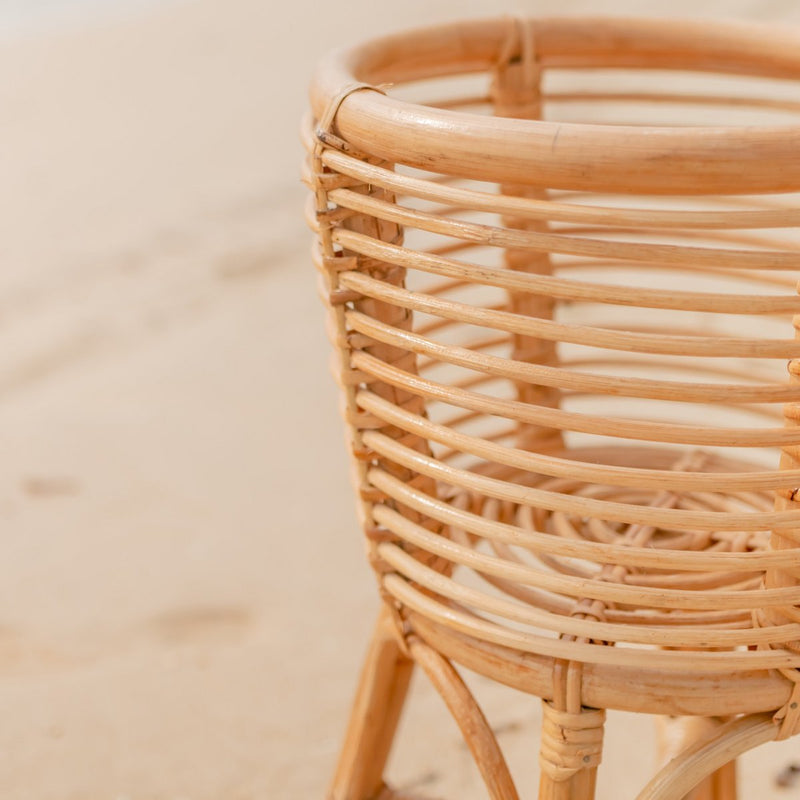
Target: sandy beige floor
x,y
183,600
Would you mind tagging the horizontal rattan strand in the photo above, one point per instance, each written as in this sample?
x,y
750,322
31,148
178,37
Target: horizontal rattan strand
x,y
596,552
673,579
565,288
553,466
704,580
725,202
666,518
477,405
636,596
746,102
553,211
762,278
566,379
752,241
732,48
690,660
668,577
778,392
606,338
556,419
495,236
665,636
752,101
565,606
764,375
752,275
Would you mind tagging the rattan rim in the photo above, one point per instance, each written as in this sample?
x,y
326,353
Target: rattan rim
x,y
569,155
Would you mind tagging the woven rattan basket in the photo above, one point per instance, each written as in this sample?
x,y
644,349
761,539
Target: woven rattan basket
x,y
559,259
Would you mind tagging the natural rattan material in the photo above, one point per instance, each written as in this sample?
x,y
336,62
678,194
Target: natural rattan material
x,y
562,346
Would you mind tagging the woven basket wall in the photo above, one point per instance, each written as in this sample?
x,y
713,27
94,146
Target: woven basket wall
x,y
560,264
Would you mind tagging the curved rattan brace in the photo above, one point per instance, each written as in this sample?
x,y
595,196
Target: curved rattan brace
x,y
705,757
467,713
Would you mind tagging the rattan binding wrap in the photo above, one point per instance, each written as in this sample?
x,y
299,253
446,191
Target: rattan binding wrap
x,y
563,353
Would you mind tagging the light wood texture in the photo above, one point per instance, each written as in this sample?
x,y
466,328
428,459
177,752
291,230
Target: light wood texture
x,y
563,347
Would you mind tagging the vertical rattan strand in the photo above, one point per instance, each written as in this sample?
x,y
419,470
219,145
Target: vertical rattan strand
x,y
516,92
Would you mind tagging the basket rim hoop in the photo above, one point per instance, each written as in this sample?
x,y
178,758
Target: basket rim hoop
x,y
560,155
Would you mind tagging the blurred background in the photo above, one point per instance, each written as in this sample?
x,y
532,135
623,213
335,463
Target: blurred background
x,y
184,602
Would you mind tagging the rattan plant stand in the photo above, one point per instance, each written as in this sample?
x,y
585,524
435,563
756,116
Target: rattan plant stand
x,y
562,340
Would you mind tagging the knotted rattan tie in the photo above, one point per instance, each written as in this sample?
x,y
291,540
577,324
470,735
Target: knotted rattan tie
x,y
570,742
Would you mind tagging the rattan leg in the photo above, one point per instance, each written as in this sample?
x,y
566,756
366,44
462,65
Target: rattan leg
x,y
723,783
373,720
572,738
580,787
466,712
